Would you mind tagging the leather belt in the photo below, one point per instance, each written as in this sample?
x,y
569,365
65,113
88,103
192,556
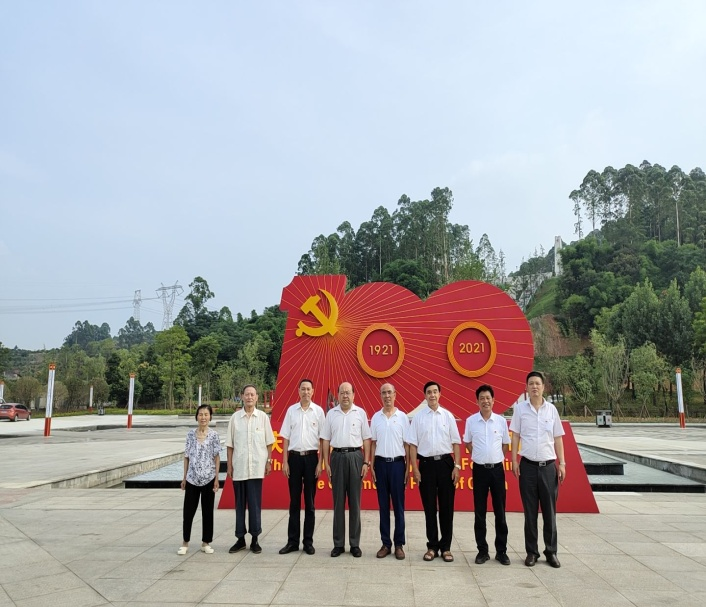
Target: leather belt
x,y
432,458
487,465
346,449
399,458
302,453
540,464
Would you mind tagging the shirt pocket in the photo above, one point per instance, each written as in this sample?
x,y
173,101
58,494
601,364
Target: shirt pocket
x,y
548,427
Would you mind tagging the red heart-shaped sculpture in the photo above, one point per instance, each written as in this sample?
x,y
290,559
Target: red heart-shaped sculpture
x,y
465,334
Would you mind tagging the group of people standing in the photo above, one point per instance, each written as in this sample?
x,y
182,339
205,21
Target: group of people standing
x,y
390,449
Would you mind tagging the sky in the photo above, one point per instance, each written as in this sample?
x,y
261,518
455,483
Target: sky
x,y
144,143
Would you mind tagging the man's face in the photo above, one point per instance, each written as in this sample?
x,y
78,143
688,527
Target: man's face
x,y
387,394
535,386
433,395
250,397
345,395
485,402
306,392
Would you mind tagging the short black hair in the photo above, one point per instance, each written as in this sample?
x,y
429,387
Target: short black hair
x,y
301,381
485,388
432,383
534,374
210,411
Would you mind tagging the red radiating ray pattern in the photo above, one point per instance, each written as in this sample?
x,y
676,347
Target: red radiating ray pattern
x,y
424,326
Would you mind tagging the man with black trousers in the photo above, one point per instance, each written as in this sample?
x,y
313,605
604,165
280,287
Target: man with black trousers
x,y
487,440
302,460
536,423
435,453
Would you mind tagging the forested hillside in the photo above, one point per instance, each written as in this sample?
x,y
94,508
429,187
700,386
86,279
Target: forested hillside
x,y
627,308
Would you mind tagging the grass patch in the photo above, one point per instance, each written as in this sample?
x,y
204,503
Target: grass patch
x,y
544,300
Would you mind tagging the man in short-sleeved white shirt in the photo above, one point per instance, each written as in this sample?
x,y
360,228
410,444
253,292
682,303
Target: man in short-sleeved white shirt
x,y
435,453
302,460
537,426
347,433
389,457
249,448
487,440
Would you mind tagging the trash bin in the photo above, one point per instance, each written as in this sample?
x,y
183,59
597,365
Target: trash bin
x,y
604,419
101,411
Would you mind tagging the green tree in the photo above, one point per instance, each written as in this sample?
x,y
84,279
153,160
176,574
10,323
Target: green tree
x,y
194,316
648,369
204,356
695,289
133,334
611,362
639,316
170,346
674,334
408,274
24,390
84,333
117,374
581,381
4,358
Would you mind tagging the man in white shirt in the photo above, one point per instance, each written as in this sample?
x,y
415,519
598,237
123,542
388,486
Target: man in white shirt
x,y
434,440
487,440
389,456
249,447
302,459
347,433
537,425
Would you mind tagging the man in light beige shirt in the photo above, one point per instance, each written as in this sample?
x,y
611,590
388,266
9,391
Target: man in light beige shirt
x,y
249,447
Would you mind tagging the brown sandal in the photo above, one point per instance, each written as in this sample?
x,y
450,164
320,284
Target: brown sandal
x,y
447,557
429,555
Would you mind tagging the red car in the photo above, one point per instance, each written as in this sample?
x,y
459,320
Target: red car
x,y
13,412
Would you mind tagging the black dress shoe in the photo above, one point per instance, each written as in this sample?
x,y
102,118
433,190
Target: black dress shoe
x,y
552,560
238,546
356,552
337,551
502,558
531,560
309,549
481,558
255,547
289,548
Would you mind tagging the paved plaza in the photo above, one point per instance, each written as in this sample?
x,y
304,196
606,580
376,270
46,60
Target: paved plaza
x,y
103,546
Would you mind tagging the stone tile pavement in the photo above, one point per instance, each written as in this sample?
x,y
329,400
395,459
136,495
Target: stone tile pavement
x,y
85,547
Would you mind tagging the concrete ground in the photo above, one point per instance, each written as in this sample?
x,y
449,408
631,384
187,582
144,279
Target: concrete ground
x,y
79,547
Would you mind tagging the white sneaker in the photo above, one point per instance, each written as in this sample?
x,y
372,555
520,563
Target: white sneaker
x,y
207,549
182,550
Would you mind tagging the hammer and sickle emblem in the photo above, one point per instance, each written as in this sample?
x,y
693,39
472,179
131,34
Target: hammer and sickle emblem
x,y
327,323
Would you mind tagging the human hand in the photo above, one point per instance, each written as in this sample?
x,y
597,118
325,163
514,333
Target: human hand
x,y
516,469
285,469
455,475
183,484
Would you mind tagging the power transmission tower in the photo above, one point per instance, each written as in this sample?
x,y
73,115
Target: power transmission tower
x,y
137,300
168,295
